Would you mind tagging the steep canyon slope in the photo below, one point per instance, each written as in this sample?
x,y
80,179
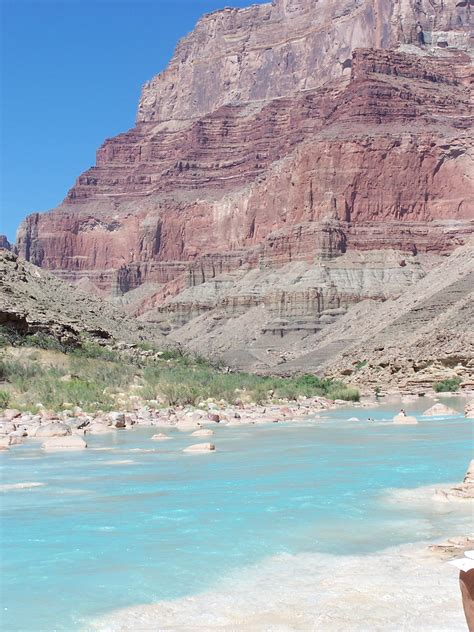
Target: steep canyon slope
x,y
295,158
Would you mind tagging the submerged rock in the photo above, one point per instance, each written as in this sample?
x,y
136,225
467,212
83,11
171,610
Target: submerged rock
x,y
185,425
438,410
65,443
160,437
200,447
204,432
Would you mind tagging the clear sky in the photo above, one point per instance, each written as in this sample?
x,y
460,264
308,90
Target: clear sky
x,y
71,74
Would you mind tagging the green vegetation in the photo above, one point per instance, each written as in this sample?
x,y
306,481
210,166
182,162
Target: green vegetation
x,y
4,399
187,383
450,384
38,369
360,365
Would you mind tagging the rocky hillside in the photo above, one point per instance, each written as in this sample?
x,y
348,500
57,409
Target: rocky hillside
x,y
423,336
294,159
33,300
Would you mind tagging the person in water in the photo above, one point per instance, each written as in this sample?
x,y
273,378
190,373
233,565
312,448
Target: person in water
x,y
402,412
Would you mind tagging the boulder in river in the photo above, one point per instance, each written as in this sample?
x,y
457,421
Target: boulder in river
x,y
404,419
203,432
160,437
200,448
53,429
439,410
65,443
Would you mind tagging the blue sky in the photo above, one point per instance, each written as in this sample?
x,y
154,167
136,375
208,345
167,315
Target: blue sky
x,y
71,76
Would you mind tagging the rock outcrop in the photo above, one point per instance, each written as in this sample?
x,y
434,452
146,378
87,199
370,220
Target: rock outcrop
x,y
439,410
295,158
34,301
4,243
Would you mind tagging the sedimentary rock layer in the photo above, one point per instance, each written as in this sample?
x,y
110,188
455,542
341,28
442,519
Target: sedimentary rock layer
x,y
294,132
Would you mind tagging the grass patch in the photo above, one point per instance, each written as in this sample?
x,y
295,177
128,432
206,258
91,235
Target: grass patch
x,y
185,384
90,384
4,399
450,384
95,377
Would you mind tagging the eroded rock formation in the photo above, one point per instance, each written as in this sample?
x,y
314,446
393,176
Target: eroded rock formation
x,y
297,156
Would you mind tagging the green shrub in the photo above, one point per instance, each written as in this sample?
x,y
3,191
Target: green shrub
x,y
44,341
9,336
176,394
450,384
93,350
349,394
4,399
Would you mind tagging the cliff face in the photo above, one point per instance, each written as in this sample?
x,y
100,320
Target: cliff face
x,y
293,132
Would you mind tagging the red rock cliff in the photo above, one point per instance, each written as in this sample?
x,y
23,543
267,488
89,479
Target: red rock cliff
x,y
288,131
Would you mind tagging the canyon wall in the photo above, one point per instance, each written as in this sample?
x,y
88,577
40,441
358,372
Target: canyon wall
x,y
294,133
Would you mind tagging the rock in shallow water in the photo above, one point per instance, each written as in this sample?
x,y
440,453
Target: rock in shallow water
x,y
65,443
404,419
200,447
54,429
438,410
160,437
204,432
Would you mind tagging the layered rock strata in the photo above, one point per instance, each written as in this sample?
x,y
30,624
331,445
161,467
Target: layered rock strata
x,y
297,133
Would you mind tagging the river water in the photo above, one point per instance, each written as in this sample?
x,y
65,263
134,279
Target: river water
x,y
130,521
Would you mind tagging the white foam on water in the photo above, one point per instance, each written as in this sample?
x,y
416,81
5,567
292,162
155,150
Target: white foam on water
x,y
399,590
428,495
118,462
15,486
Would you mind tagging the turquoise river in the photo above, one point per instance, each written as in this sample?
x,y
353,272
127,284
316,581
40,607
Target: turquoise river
x,y
130,521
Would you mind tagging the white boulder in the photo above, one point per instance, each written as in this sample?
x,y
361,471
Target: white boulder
x,y
160,437
6,427
404,419
198,448
4,443
439,410
98,428
54,429
11,413
72,442
203,432
187,425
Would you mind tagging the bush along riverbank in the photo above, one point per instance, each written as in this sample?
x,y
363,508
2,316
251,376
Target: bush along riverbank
x,y
93,387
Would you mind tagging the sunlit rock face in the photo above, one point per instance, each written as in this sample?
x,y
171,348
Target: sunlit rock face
x,y
298,131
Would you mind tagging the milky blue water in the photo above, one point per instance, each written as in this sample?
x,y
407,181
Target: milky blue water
x,y
101,534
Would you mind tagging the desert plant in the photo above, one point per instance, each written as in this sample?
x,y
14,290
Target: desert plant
x,y
4,399
450,384
347,393
44,341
